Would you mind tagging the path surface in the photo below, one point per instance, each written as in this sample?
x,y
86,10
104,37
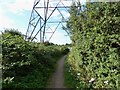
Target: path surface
x,y
57,80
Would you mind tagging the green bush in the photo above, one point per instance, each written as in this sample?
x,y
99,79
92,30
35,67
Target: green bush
x,y
17,55
22,60
94,59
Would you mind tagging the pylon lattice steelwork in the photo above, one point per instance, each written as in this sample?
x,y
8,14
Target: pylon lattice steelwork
x,y
46,17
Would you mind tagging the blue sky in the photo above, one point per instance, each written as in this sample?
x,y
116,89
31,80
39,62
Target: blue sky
x,y
16,14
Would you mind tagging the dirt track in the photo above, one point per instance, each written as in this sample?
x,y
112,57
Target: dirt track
x,y
57,80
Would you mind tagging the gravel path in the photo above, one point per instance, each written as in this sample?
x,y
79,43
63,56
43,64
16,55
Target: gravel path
x,y
57,80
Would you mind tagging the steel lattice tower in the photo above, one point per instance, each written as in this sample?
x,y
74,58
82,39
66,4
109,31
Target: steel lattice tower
x,y
46,14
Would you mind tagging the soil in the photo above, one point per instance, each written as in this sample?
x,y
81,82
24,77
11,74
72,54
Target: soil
x,y
57,80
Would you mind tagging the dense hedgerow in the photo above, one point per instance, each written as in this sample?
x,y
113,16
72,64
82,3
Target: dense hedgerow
x,y
27,64
94,59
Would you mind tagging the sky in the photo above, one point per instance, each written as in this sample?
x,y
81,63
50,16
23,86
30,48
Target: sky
x,y
16,14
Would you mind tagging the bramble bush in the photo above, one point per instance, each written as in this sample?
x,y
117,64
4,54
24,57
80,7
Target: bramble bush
x,y
23,60
94,59
17,55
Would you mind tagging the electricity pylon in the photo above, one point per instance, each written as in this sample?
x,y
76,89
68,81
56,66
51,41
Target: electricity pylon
x,y
46,17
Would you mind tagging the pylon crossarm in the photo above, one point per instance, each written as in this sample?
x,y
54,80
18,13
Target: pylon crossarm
x,y
34,27
47,14
39,15
44,22
54,31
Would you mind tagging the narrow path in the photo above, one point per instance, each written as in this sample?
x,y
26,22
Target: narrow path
x,y
57,80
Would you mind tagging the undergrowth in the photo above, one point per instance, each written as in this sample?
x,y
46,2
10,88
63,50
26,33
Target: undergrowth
x,y
27,64
93,62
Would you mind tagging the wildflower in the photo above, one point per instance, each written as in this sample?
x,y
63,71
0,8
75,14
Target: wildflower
x,y
13,63
78,74
10,79
69,71
114,70
106,82
77,87
92,79
70,48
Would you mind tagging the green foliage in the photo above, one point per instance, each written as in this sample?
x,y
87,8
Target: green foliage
x,y
94,59
13,32
17,54
24,64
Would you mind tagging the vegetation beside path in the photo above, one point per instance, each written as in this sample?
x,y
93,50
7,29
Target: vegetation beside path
x,y
94,61
27,64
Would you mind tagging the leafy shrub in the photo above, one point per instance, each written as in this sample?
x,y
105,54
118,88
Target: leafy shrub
x,y
94,59
13,32
17,55
22,60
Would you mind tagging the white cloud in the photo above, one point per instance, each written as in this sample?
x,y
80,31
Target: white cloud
x,y
5,22
19,6
60,38
66,14
16,6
